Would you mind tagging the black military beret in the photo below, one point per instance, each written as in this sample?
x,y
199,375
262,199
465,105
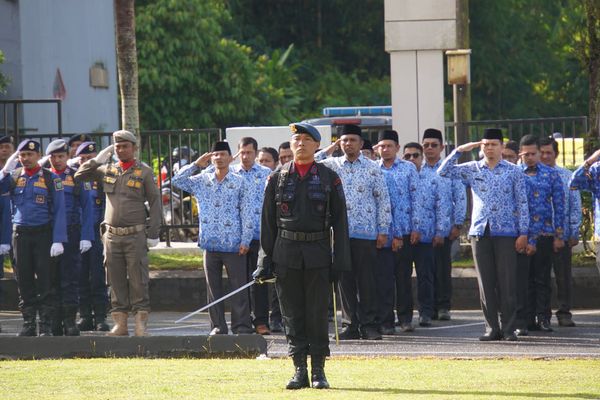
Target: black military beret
x,y
221,146
56,146
82,137
29,145
302,127
388,135
5,139
431,133
86,148
350,130
493,133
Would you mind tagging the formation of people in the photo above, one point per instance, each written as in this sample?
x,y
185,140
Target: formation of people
x,y
353,214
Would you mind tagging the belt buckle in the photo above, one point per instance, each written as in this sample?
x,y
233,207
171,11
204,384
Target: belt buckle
x,y
301,236
120,231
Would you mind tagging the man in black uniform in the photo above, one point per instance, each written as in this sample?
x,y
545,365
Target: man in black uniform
x,y
303,202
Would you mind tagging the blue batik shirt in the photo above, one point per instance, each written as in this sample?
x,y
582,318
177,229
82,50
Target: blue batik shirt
x,y
224,208
256,178
367,198
589,180
401,179
572,205
433,214
546,200
499,195
457,201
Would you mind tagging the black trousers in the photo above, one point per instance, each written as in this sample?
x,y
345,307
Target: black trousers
x,y
31,247
421,255
259,294
523,267
443,275
358,288
539,277
304,297
561,264
496,265
385,272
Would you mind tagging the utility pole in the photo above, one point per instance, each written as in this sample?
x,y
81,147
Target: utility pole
x,y
462,92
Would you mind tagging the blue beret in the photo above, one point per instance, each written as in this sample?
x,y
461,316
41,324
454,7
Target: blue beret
x,y
302,127
56,146
79,138
349,130
5,139
86,148
29,145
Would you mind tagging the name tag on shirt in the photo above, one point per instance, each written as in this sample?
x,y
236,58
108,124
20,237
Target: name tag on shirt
x,y
40,199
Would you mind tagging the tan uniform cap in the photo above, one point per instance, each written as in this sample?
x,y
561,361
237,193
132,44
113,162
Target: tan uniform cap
x,y
124,136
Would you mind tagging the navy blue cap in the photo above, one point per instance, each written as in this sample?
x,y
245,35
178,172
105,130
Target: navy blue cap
x,y
56,146
302,127
29,145
5,139
80,137
86,148
349,129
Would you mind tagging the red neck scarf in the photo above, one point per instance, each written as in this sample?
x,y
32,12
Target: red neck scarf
x,y
57,172
32,171
126,165
302,169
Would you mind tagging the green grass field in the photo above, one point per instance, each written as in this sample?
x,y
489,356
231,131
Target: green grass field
x,y
351,378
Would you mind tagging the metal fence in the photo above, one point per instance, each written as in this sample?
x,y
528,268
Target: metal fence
x,y
572,132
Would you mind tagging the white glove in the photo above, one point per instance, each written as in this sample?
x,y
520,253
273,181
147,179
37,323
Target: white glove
x,y
104,155
152,242
11,164
4,249
43,160
84,245
56,250
74,162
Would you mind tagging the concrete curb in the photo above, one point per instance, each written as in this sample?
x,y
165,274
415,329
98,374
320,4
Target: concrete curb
x,y
26,348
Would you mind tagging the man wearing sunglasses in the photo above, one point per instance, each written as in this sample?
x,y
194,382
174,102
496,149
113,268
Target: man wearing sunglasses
x,y
431,223
433,145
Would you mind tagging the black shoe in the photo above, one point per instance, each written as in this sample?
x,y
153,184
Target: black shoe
x,y
300,378
388,330
545,325
406,327
100,318
69,314
29,329
490,336
511,337
244,331
566,322
521,332
86,320
318,378
370,333
424,321
276,327
349,334
217,331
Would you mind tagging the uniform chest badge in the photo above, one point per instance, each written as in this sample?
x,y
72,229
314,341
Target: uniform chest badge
x,y
40,199
110,179
58,184
21,182
137,172
69,181
41,183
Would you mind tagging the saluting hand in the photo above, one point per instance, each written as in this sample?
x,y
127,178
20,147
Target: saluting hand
x,y
468,146
104,155
333,147
593,158
11,163
203,160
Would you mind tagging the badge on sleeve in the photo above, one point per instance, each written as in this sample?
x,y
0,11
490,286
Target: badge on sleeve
x,y
87,185
58,185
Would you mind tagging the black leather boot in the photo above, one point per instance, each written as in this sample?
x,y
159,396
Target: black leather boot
x,y
100,318
57,321
69,314
29,323
86,321
300,378
317,365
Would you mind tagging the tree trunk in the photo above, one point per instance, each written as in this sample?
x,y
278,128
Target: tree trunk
x,y
127,65
592,8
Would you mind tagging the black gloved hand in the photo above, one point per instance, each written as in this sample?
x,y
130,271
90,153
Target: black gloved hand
x,y
262,273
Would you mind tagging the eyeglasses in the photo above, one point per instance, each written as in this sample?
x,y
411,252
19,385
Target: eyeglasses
x,y
432,145
408,156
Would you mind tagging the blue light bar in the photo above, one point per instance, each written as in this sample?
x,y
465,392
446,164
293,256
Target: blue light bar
x,y
351,111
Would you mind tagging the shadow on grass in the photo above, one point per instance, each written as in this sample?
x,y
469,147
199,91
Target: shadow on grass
x,y
479,393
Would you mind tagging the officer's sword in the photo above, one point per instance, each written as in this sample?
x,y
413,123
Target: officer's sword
x,y
206,307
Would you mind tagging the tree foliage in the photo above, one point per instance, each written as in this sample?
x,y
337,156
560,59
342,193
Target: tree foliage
x,y
3,79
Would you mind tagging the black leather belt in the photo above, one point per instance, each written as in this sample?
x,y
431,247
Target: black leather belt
x,y
35,228
303,236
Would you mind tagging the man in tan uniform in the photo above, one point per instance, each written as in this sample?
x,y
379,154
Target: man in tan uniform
x,y
128,185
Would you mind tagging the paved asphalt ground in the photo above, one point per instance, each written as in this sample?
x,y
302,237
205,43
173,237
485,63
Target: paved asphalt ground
x,y
457,338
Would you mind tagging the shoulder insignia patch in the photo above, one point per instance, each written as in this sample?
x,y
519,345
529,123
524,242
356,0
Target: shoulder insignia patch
x,y
58,185
87,185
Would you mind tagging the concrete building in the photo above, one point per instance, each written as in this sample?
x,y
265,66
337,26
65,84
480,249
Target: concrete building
x,y
73,41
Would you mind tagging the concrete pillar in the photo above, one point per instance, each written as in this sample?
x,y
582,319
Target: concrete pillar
x,y
416,34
